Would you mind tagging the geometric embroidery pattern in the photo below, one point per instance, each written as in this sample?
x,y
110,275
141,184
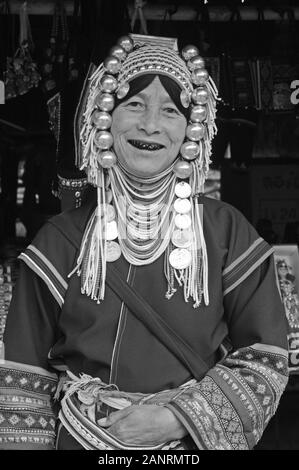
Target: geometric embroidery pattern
x,y
26,412
241,393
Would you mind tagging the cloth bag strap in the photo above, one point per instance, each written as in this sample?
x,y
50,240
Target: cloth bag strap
x,y
139,307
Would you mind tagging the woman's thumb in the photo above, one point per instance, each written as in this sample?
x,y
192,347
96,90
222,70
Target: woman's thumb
x,y
113,417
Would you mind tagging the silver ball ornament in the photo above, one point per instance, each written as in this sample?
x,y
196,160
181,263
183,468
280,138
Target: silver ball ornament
x,y
105,101
101,120
103,140
198,113
182,169
189,51
195,131
199,76
112,65
126,43
189,150
118,52
200,96
196,62
106,159
108,83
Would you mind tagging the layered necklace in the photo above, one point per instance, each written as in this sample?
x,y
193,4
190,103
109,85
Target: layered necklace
x,y
142,218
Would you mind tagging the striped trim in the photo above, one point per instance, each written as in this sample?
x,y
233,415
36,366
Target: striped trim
x,y
50,265
46,271
243,256
245,264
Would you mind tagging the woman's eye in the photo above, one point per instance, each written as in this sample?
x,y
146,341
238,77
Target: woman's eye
x,y
135,104
170,110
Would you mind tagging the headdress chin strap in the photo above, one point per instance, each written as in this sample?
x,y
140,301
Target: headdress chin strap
x,y
185,260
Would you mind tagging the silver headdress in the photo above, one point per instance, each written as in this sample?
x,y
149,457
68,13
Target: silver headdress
x,y
133,56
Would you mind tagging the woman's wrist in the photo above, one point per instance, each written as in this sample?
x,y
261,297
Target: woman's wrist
x,y
176,429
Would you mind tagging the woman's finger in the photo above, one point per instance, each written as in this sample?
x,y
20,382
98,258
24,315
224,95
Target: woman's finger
x,y
114,417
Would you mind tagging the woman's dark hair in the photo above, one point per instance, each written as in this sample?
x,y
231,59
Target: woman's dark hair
x,y
143,81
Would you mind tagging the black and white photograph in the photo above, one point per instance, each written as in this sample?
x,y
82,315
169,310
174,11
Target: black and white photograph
x,y
149,228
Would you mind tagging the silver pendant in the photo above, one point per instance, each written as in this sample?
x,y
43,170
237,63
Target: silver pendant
x,y
180,258
111,230
113,252
182,206
182,221
182,238
182,190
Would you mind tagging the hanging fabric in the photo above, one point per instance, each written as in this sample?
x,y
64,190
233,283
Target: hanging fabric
x,y
55,56
21,74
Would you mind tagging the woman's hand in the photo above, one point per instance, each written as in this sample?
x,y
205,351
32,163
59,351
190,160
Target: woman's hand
x,y
144,425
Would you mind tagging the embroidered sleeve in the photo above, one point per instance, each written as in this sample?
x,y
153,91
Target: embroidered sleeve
x,y
27,418
232,405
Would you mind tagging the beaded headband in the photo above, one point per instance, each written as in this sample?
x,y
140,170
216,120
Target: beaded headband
x,y
128,60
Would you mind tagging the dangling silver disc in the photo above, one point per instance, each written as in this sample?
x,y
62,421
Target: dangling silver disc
x,y
110,212
182,238
180,258
111,230
182,206
182,221
113,251
182,189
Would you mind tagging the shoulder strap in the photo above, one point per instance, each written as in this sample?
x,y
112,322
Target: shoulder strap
x,y
155,323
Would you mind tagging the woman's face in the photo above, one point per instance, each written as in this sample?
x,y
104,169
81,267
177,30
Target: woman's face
x,y
148,130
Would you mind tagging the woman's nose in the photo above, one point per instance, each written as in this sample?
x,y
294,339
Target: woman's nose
x,y
149,121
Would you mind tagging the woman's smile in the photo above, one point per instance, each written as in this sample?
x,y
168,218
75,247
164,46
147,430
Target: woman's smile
x,y
148,131
146,145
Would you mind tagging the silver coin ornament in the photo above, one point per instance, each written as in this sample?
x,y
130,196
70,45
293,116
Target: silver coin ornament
x,y
180,258
110,212
189,150
182,238
101,120
123,91
200,96
107,159
182,206
185,99
182,221
189,51
199,76
182,169
113,251
105,102
182,190
112,65
108,83
195,131
196,62
126,43
111,231
118,52
103,140
198,113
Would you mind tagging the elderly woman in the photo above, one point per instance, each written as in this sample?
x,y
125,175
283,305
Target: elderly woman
x,y
154,308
